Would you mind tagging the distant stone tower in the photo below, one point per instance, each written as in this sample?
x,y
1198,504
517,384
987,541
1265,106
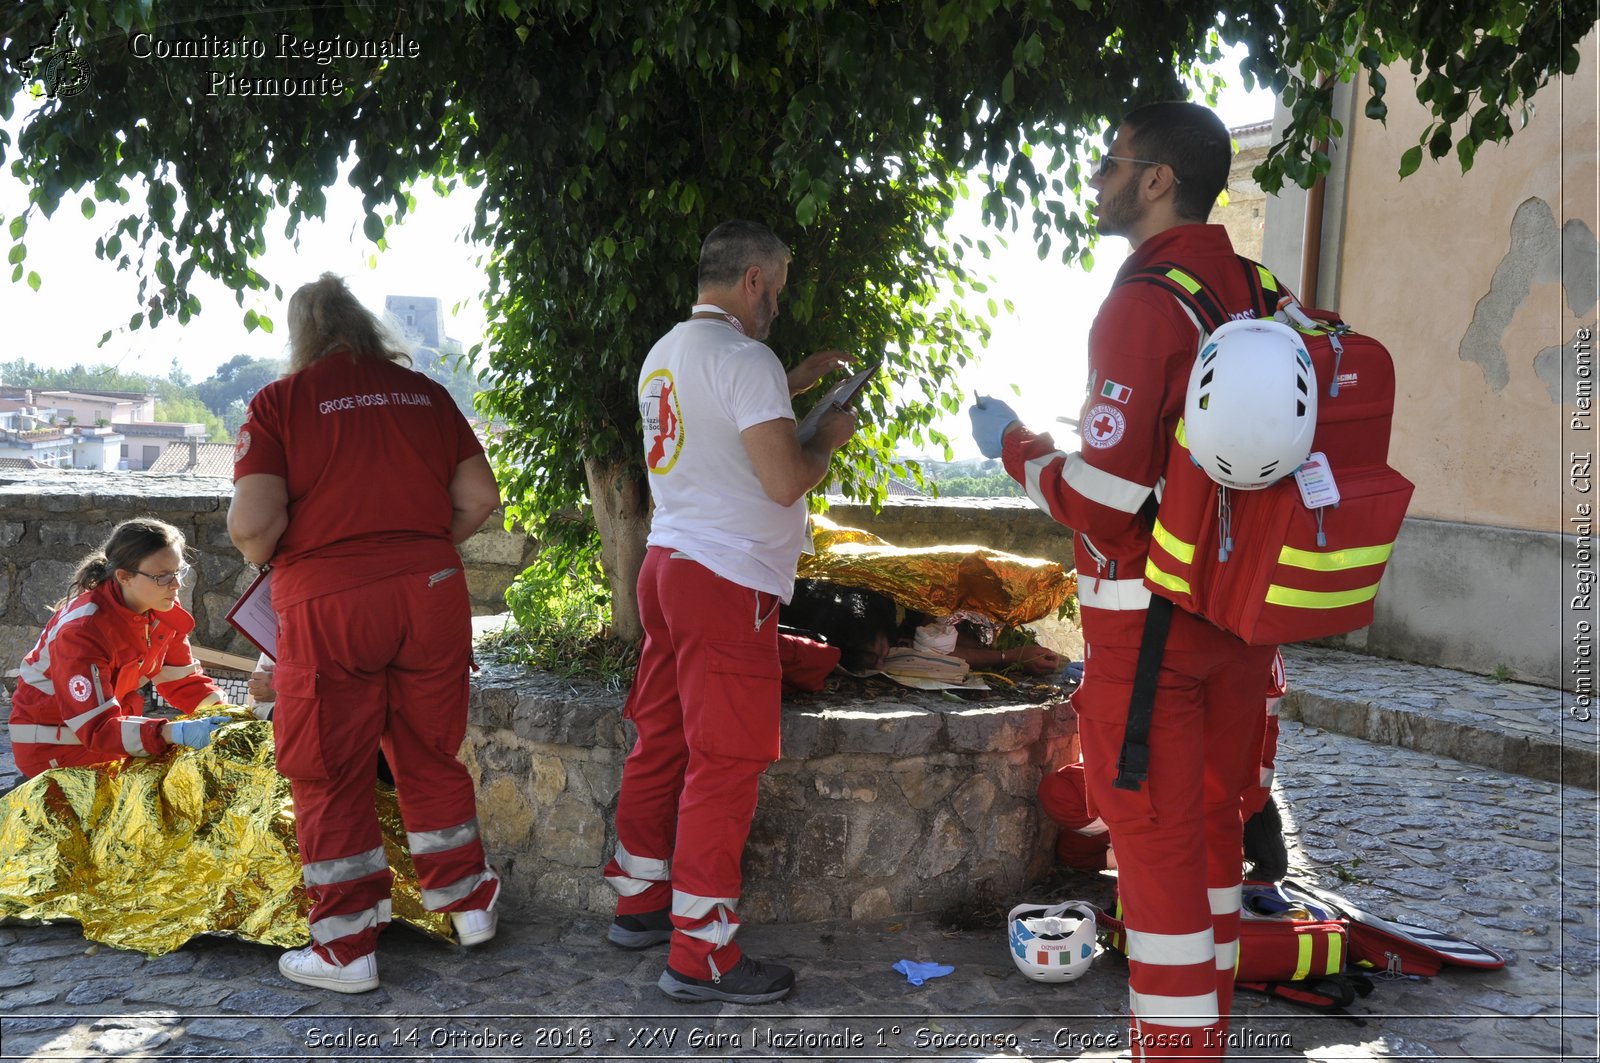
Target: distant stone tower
x,y
419,317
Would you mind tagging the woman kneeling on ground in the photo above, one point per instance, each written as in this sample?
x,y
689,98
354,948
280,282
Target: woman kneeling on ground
x,y
76,702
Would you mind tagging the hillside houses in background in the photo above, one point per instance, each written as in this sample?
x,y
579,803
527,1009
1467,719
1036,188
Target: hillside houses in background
x,y
112,430
82,428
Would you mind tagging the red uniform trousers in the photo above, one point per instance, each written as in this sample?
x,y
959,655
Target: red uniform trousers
x,y
1277,686
705,704
1084,841
1179,838
385,665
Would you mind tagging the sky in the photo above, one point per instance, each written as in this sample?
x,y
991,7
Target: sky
x,y
1040,347
80,296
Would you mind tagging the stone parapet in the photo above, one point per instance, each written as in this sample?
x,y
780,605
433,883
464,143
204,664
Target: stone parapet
x,y
904,802
50,520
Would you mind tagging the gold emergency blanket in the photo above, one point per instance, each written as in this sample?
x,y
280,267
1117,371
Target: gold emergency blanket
x,y
148,853
941,580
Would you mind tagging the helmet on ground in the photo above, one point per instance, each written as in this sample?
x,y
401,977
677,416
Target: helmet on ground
x,y
1054,943
1251,410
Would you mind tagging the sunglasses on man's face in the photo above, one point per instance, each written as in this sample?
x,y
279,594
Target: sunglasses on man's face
x,y
1107,161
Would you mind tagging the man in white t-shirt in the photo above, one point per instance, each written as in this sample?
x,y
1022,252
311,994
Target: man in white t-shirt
x,y
729,478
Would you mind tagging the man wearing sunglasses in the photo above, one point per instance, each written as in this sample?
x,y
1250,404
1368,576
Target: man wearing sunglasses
x,y
1178,836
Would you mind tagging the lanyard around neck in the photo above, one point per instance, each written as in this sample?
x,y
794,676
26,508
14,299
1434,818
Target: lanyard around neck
x,y
713,308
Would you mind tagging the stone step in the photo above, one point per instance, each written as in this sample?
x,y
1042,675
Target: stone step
x,y
1520,728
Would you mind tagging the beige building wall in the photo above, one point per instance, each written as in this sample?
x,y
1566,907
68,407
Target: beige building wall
x,y
1477,283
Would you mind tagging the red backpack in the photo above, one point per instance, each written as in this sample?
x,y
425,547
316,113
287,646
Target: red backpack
x,y
1264,564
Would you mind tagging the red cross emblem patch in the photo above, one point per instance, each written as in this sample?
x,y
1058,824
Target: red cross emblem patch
x,y
1103,425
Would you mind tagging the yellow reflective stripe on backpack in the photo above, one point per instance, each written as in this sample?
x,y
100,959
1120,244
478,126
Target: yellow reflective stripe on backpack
x,y
1173,583
1172,544
1268,281
1298,599
1306,944
1302,964
1189,283
1335,560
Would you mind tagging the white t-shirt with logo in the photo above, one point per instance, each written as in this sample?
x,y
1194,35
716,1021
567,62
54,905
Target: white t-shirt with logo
x,y
703,384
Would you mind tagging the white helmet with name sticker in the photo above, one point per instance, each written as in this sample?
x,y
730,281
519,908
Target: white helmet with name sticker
x,y
1052,943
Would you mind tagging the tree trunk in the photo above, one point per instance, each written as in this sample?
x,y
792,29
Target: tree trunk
x,y
621,501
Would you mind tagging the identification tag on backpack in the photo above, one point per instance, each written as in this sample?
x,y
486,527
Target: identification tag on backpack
x,y
1317,486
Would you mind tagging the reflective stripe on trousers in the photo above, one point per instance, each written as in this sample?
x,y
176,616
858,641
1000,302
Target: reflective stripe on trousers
x,y
631,875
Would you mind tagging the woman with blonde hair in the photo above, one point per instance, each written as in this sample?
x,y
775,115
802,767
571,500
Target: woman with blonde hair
x,y
121,624
355,478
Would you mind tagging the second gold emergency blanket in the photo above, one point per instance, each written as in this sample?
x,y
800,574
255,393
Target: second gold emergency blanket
x,y
149,853
940,580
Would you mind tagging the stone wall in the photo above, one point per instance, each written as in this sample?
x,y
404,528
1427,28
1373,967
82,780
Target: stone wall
x,y
902,802
50,520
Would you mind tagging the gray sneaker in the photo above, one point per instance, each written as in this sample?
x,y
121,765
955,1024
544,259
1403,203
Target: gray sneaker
x,y
749,982
642,930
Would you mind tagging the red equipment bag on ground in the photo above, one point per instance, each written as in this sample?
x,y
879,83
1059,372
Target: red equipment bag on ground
x,y
1315,948
1397,948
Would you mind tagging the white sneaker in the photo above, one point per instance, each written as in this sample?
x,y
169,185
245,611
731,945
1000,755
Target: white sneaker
x,y
477,925
306,967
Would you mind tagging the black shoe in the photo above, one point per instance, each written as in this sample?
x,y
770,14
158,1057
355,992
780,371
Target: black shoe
x,y
749,982
1264,846
642,930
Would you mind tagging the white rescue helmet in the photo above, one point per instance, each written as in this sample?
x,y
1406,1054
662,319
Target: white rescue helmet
x,y
1052,944
1251,410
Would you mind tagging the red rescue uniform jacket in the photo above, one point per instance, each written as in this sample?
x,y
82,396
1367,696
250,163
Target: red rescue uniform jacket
x,y
1141,348
78,684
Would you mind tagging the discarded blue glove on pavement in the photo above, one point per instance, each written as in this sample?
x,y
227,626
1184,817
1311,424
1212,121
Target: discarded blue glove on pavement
x,y
917,973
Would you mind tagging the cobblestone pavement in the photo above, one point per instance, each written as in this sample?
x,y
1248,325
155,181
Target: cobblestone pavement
x,y
1504,859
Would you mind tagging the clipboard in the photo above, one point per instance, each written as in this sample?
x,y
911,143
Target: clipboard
x,y
841,394
253,616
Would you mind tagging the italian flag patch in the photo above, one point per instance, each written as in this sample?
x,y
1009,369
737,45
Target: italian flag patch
x,y
1115,391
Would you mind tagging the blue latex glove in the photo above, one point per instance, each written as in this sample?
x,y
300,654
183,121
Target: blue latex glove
x,y
196,734
990,419
917,973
